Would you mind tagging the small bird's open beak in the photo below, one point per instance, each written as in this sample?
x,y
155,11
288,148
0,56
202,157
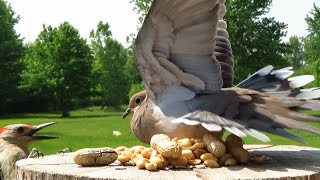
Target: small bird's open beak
x,y
125,114
38,128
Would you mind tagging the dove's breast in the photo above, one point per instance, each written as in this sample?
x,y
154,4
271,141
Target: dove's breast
x,y
203,66
145,124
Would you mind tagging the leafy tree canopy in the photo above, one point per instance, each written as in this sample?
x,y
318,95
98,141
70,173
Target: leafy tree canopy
x,y
312,41
112,82
296,52
58,64
11,50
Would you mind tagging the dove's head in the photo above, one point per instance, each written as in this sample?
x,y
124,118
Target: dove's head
x,y
135,102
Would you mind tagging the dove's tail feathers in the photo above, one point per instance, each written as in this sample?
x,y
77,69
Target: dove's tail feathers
x,y
302,99
274,117
288,123
293,124
286,134
215,123
278,82
302,117
312,105
266,122
311,93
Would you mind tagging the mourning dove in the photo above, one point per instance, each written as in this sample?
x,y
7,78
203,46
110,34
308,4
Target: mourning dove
x,y
14,142
184,57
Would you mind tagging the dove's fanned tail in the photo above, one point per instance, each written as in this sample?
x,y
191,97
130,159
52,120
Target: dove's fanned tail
x,y
275,118
247,112
277,83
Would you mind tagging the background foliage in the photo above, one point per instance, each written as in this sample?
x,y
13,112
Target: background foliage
x,y
112,82
60,71
11,50
58,66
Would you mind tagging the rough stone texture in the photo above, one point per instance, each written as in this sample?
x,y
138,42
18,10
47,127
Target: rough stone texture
x,y
288,162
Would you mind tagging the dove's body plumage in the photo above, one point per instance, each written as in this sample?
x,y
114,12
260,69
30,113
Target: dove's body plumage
x,y
185,60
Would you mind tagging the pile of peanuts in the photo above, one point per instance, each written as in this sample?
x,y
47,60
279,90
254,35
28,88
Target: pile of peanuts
x,y
166,153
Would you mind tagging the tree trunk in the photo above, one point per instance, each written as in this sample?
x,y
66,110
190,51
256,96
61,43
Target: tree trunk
x,y
64,109
65,113
3,107
287,162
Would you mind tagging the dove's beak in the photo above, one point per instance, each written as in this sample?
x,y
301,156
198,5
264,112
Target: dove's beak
x,y
125,114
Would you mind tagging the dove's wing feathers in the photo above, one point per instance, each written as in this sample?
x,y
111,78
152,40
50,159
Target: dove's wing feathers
x,y
246,112
175,47
277,83
222,49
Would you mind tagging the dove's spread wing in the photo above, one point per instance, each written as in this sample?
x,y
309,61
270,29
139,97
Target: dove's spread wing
x,y
183,49
176,47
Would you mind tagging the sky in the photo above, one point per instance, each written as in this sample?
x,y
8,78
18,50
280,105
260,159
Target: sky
x,y
84,15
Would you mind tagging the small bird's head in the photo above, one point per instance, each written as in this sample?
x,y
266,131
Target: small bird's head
x,y
135,101
22,134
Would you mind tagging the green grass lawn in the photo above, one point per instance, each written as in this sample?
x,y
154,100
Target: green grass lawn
x,y
93,127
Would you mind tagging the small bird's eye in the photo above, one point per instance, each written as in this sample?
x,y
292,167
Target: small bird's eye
x,y
137,100
20,130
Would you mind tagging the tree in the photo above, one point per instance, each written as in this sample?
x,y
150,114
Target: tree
x,y
141,7
11,50
110,58
296,54
58,64
312,41
312,48
255,38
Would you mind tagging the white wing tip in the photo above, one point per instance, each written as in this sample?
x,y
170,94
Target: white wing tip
x,y
300,81
212,127
185,121
265,71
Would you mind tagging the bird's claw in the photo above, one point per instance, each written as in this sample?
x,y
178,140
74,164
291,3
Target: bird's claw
x,y
35,153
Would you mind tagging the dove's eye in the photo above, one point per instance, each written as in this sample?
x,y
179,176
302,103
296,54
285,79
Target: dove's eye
x,y
137,100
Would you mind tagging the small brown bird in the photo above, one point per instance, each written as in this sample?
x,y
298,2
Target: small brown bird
x,y
185,59
14,142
